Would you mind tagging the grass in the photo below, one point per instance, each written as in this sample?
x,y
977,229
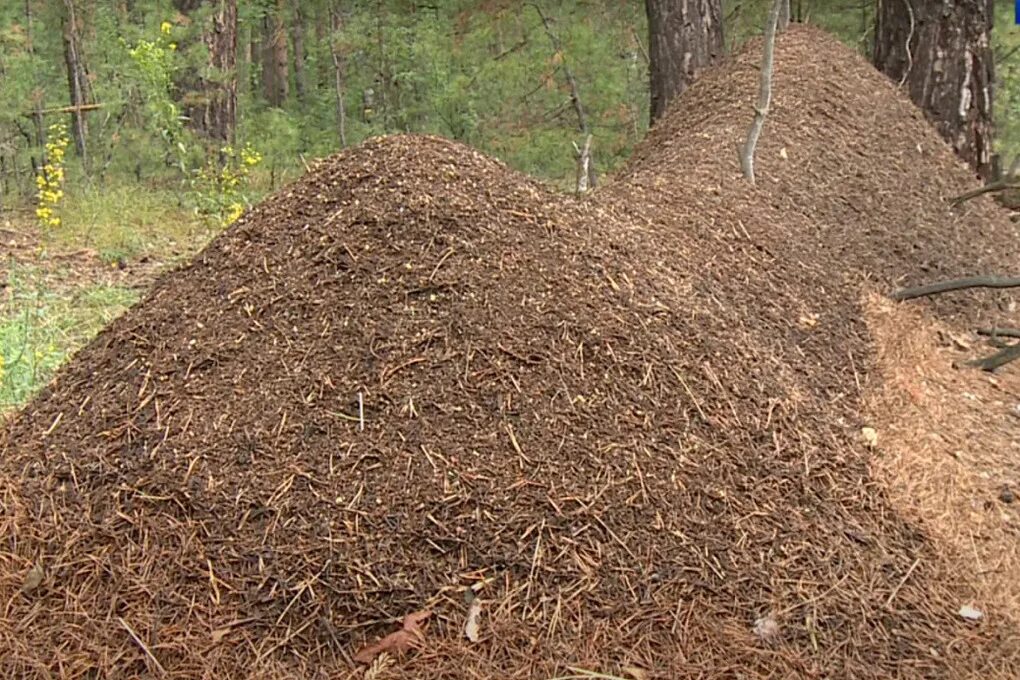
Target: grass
x,y
44,322
128,221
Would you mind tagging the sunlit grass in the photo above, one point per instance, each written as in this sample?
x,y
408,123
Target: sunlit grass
x,y
42,324
128,222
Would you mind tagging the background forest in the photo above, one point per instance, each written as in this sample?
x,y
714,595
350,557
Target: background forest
x,y
104,147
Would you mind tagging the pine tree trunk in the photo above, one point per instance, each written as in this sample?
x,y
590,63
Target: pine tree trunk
x,y
684,36
212,103
298,38
275,72
941,52
76,81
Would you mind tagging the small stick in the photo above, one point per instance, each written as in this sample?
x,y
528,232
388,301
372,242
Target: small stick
x,y
896,590
361,412
956,284
999,332
138,641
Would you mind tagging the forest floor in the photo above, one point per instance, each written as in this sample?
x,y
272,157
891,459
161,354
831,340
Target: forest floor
x,y
57,290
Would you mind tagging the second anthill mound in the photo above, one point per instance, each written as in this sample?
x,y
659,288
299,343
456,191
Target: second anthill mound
x,y
415,374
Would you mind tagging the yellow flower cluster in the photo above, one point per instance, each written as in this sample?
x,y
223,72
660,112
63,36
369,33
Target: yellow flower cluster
x,y
225,189
50,180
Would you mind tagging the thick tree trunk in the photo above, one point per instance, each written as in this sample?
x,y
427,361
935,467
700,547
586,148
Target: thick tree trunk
x,y
684,36
941,52
212,103
275,72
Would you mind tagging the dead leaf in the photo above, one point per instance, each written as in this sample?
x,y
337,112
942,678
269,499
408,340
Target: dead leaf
x,y
783,154
635,672
34,578
471,627
870,436
409,637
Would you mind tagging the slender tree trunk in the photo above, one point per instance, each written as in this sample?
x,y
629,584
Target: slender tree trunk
x,y
684,37
941,52
275,72
336,23
76,81
28,26
298,39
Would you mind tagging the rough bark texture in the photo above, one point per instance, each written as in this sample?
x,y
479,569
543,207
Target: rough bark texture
x,y
275,74
941,52
684,36
336,23
77,80
298,38
211,105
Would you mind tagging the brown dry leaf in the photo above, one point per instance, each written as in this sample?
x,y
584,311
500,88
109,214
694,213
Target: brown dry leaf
x,y
471,627
34,578
635,672
405,639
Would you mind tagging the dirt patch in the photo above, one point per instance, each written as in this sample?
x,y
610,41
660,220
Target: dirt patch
x,y
629,425
948,444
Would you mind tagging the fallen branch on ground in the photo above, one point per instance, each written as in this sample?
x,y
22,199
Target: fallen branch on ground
x,y
999,332
980,191
1000,358
956,284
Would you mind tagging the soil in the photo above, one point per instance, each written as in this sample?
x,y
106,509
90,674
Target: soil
x,y
629,425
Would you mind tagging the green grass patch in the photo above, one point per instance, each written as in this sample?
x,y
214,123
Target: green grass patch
x,y
129,221
42,326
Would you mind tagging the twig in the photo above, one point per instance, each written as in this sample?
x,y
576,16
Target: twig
x,y
138,641
999,332
1001,185
361,412
764,96
956,284
899,585
910,36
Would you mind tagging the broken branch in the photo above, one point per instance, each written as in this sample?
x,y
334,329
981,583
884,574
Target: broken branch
x,y
956,284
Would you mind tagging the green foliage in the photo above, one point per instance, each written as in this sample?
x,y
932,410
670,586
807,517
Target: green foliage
x,y
42,326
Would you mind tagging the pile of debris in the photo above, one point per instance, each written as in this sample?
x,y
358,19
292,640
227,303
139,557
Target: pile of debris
x,y
417,390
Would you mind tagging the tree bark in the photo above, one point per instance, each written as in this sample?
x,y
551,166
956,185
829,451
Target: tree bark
x,y
941,52
684,37
211,104
298,38
76,81
275,72
761,109
336,23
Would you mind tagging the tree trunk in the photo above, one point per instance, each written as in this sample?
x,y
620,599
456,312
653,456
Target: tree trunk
x,y
684,36
212,103
298,38
941,51
275,72
76,80
336,23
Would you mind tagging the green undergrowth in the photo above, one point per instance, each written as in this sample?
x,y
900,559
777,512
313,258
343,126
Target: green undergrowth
x,y
128,222
42,323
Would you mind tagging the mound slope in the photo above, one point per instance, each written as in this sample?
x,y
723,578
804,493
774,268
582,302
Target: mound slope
x,y
625,424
